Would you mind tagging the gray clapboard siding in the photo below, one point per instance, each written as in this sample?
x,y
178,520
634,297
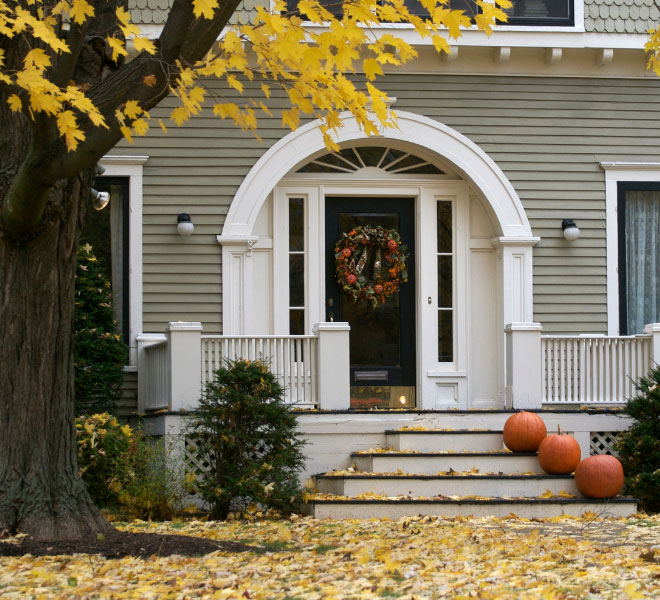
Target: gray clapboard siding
x,y
127,403
548,135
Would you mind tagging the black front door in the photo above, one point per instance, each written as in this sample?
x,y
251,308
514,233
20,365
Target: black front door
x,y
382,338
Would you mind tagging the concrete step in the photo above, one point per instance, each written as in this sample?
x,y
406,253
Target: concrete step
x,y
431,463
447,485
444,440
530,508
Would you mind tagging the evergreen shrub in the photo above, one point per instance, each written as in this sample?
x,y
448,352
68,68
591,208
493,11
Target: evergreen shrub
x,y
246,435
639,447
99,353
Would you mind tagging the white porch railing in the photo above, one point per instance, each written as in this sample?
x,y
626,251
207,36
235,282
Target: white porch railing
x,y
156,375
593,370
291,358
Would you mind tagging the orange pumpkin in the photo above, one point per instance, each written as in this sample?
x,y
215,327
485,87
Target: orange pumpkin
x,y
599,476
524,432
559,454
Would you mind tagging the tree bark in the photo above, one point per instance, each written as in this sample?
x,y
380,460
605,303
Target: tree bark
x,y
40,491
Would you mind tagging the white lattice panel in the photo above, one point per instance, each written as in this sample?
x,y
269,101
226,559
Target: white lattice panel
x,y
602,442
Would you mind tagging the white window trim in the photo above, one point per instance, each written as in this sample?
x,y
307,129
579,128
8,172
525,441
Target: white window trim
x,y
131,167
616,171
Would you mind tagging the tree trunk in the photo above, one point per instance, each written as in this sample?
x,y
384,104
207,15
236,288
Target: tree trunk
x,y
41,493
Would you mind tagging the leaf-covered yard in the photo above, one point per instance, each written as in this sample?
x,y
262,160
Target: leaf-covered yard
x,y
418,557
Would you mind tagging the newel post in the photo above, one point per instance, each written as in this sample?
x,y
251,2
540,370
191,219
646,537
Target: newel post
x,y
653,329
523,365
184,360
334,378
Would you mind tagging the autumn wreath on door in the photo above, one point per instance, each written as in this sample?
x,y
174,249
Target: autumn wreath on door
x,y
370,263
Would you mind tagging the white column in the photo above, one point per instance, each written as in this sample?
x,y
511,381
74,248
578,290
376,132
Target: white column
x,y
653,329
334,365
236,280
523,365
517,289
143,340
184,359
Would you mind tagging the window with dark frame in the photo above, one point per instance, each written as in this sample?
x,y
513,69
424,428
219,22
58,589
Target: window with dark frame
x,y
554,13
638,217
445,252
107,231
296,266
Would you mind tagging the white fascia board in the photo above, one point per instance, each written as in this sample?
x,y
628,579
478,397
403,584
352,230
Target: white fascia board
x,y
514,36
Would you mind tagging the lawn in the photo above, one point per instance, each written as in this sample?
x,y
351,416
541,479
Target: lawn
x,y
417,557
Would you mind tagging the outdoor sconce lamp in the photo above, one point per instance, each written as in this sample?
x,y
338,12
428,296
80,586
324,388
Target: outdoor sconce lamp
x,y
571,230
184,224
99,199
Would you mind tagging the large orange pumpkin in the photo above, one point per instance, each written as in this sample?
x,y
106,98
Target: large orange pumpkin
x,y
599,476
559,454
524,432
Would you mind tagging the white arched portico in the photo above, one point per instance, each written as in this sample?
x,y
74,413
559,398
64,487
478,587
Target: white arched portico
x,y
450,145
512,240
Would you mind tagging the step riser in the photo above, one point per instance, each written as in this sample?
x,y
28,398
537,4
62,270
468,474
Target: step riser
x,y
438,442
458,486
430,465
395,510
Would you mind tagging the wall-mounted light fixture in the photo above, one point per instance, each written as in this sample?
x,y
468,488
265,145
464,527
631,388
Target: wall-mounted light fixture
x,y
184,224
99,199
571,230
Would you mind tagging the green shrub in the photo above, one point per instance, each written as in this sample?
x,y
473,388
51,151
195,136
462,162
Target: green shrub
x,y
126,472
246,434
106,457
98,351
639,447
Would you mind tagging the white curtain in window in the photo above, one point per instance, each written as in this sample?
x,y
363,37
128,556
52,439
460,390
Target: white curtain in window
x,y
642,234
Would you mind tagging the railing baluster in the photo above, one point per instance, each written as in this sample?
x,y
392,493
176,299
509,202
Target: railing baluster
x,y
592,370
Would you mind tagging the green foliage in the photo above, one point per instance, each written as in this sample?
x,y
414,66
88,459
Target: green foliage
x,y
639,447
246,434
98,351
127,472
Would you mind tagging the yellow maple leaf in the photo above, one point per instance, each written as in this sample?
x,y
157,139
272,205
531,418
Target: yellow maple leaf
x,y
132,109
117,46
371,68
149,80
204,8
15,103
37,59
142,44
546,494
290,118
80,10
179,115
140,126
235,83
67,126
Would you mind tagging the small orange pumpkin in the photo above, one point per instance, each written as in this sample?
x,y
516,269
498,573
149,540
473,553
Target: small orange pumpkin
x,y
599,476
559,454
524,432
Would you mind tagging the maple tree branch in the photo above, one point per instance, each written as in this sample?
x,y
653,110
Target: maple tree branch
x,y
205,32
176,29
66,64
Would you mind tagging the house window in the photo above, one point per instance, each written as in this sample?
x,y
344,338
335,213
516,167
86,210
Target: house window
x,y
445,251
107,232
296,266
638,210
351,160
523,12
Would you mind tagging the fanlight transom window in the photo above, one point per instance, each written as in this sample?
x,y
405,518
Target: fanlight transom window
x,y
351,160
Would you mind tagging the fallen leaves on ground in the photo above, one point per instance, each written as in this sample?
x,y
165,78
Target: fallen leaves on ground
x,y
414,557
